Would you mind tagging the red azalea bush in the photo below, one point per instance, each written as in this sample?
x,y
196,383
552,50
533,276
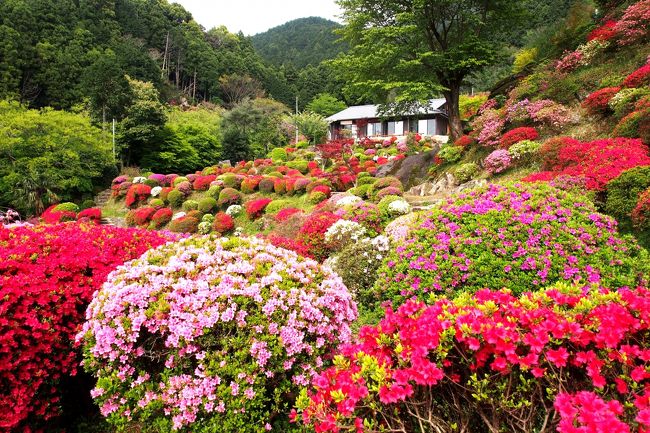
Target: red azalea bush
x,y
136,194
598,161
465,141
48,275
202,183
290,244
324,189
143,215
312,233
223,223
93,214
184,224
279,186
286,213
638,78
597,103
255,208
51,216
516,135
550,150
559,358
161,217
267,185
603,33
641,213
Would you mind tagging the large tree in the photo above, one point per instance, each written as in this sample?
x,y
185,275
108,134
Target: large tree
x,y
413,50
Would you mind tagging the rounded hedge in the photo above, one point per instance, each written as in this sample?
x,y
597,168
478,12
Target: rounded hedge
x,y
207,205
66,207
623,192
277,205
175,198
223,345
189,205
516,236
229,196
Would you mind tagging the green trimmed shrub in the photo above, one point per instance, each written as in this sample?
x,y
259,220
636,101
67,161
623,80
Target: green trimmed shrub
x,y
450,153
66,207
278,154
466,172
229,196
276,206
189,205
267,185
384,182
207,204
151,182
276,174
368,180
175,198
87,204
384,203
209,171
525,151
360,191
623,192
179,180
214,191
363,174
207,218
300,165
231,181
156,203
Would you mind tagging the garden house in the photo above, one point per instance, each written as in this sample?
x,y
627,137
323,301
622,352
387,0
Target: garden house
x,y
364,121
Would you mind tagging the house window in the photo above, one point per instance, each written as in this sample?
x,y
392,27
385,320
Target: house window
x,y
374,129
396,128
427,127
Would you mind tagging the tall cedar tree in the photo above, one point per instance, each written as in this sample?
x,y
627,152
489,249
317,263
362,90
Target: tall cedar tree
x,y
413,50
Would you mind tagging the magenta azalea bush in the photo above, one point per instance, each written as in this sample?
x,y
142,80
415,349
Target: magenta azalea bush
x,y
559,360
498,161
212,334
511,236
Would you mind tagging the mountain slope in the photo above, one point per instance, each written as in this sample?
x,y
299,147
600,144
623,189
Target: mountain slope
x,y
301,42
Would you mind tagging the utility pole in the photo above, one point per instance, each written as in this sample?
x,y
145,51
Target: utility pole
x,y
296,123
114,154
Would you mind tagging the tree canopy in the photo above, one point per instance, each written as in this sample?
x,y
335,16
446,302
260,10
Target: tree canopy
x,y
413,50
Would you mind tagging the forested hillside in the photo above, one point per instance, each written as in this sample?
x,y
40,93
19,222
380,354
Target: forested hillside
x,y
59,52
299,43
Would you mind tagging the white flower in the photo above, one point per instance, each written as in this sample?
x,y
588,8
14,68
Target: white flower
x,y
139,179
205,228
178,215
348,200
399,207
234,210
343,230
239,231
155,191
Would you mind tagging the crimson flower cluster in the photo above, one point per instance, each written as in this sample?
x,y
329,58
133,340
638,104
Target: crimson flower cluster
x,y
560,359
48,275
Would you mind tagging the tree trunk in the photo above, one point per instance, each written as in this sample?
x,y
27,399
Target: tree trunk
x,y
452,96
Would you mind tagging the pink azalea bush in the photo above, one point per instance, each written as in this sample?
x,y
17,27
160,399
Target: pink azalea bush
x,y
563,359
513,236
498,161
212,333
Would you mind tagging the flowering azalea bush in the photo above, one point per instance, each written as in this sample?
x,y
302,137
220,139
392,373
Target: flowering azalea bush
x,y
516,135
93,214
255,208
137,194
598,161
514,236
548,361
222,345
497,161
605,32
638,78
598,101
312,233
223,223
634,25
48,274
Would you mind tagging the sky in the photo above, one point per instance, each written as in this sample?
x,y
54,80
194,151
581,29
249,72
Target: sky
x,y
256,16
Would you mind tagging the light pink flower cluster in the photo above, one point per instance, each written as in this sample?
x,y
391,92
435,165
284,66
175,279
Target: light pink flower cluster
x,y
212,329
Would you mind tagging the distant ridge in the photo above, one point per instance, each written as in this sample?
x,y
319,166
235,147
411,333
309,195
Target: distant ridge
x,y
299,43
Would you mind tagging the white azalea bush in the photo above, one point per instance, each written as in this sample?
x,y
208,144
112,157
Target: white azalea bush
x,y
358,263
234,210
155,191
399,207
212,334
342,233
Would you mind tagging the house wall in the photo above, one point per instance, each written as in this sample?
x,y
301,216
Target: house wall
x,y
435,125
